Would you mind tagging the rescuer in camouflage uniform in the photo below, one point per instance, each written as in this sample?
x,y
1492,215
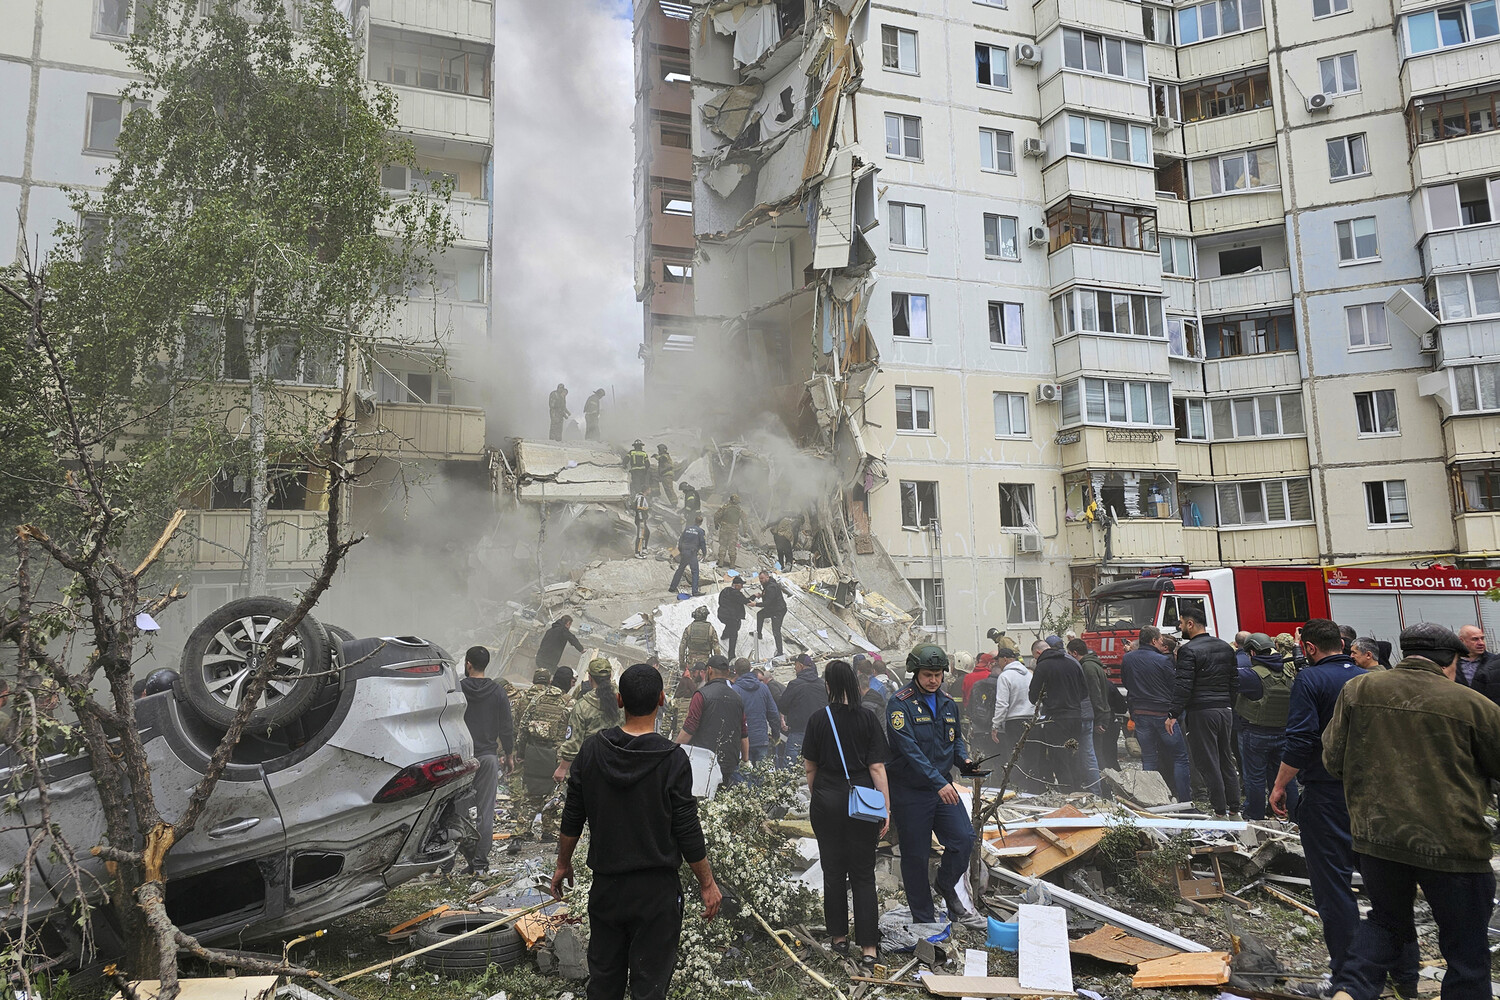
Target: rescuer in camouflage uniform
x,y
700,640
518,698
592,712
543,727
727,523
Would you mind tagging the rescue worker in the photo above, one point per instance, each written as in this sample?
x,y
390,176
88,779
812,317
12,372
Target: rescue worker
x,y
639,464
699,640
642,530
593,712
544,725
716,720
518,699
557,410
785,535
591,415
692,544
926,743
558,636
732,605
666,472
692,504
772,608
727,522
1265,695
687,685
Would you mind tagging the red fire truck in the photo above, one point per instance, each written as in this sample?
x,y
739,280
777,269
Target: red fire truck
x,y
1377,601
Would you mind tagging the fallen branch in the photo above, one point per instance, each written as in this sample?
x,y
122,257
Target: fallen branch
x,y
1291,901
782,944
492,926
161,543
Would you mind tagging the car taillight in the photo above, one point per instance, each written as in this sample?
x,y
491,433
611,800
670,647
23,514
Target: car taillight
x,y
424,777
418,670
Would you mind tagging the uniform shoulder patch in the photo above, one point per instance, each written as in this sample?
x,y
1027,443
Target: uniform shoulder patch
x,y
906,694
898,719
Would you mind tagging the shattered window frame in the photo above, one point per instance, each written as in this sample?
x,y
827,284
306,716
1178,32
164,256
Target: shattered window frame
x,y
930,590
1007,324
672,201
914,406
903,137
1348,157
986,56
1023,598
997,146
1002,237
1386,504
1017,420
906,216
891,38
905,314
1376,413
1017,505
919,504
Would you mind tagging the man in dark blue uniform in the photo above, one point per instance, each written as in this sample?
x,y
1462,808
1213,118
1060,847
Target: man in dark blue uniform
x,y
927,743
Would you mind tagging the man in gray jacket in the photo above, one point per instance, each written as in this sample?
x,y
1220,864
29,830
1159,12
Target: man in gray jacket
x,y
1013,710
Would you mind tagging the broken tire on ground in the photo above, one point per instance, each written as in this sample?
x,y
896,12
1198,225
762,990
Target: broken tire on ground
x,y
223,651
502,947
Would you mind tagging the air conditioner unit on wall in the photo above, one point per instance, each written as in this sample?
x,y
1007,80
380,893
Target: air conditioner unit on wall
x,y
1037,236
1163,123
1034,147
1027,55
1029,541
1319,102
1048,392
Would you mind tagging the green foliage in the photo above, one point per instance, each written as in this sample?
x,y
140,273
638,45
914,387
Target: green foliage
x,y
1146,872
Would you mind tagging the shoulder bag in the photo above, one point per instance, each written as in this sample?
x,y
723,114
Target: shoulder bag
x,y
864,803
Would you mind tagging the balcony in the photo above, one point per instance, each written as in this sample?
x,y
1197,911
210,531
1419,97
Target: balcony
x,y
472,19
1161,61
672,162
1237,211
1187,378
1462,249
1452,159
1472,438
1112,355
1193,462
421,430
1245,292
1200,546
1291,544
1449,69
471,221
1092,447
1138,540
1229,132
291,408
220,539
1115,268
1478,533
1261,371
444,115
1085,92
1104,180
1114,17
1172,215
452,322
1222,55
676,97
1167,145
1469,340
1259,459
1180,294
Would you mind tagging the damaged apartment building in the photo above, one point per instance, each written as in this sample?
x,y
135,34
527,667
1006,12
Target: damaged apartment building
x,y
1078,288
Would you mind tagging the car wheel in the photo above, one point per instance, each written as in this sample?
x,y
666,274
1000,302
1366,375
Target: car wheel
x,y
340,631
502,947
225,649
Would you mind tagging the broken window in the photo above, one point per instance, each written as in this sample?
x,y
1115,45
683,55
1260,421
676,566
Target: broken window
x,y
1385,502
1023,600
1191,419
913,408
121,18
106,115
676,136
930,590
1376,411
680,274
675,71
1017,503
1005,324
898,49
903,136
992,66
918,504
909,315
287,488
1000,237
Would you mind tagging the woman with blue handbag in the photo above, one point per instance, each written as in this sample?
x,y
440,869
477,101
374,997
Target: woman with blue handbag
x,y
845,751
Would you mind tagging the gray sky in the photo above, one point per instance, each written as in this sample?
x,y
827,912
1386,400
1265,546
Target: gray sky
x,y
565,308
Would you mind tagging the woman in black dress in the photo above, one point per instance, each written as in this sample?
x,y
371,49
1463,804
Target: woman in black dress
x,y
846,846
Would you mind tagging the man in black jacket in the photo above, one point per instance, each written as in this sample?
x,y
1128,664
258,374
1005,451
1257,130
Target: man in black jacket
x,y
803,697
772,607
1202,700
551,648
1058,689
732,604
1148,675
716,720
487,714
635,904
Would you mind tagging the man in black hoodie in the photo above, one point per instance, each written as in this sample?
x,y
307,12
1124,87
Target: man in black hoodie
x,y
1059,690
1207,681
803,698
635,904
558,636
487,715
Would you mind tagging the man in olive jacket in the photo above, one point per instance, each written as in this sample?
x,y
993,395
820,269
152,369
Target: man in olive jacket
x,y
1420,752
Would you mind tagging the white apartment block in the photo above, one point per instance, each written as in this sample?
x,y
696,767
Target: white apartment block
x,y
1082,287
60,67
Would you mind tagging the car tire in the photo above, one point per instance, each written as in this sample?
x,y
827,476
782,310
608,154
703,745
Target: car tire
x,y
339,630
215,663
502,947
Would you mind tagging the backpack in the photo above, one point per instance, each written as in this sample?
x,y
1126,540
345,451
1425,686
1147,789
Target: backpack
x,y
979,713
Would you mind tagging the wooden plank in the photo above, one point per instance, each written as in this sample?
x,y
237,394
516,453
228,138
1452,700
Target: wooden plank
x,y
1201,969
982,986
1046,854
1019,851
1094,908
1085,822
1111,944
1045,963
221,988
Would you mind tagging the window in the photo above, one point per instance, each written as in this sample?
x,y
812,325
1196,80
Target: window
x,y
1017,504
1108,140
120,18
1100,54
1376,412
676,202
1106,401
903,137
909,316
1156,22
997,151
1455,117
676,136
1385,503
930,590
1346,157
105,116
1005,325
452,67
1023,600
1476,388
1465,203
908,226
1465,296
1239,260
1366,326
1226,95
1191,419
1275,501
918,504
1078,220
1177,256
1183,338
898,49
1000,237
1449,26
1166,100
1010,415
287,358
992,66
1097,311
1237,336
1339,74
1234,173
1478,486
1243,417
1120,493
1327,8
675,71
913,409
1357,240
1218,17
677,274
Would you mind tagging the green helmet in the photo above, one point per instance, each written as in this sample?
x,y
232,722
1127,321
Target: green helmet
x,y
701,613
926,657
